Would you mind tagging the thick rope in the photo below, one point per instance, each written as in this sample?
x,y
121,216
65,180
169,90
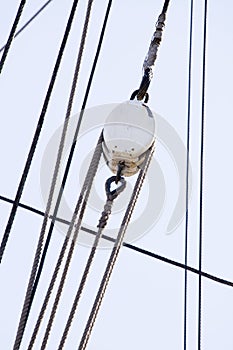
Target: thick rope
x,y
37,132
80,208
187,174
202,172
12,34
29,21
102,223
60,151
115,252
27,301
72,148
151,56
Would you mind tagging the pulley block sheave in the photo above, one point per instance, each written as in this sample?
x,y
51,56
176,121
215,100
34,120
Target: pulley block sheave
x,y
129,131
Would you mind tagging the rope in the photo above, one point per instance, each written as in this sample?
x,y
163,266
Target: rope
x,y
12,33
102,223
61,146
114,254
80,207
187,174
68,164
28,22
27,301
202,174
132,247
151,56
37,133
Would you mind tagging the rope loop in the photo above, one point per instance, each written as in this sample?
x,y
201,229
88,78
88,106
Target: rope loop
x,y
111,195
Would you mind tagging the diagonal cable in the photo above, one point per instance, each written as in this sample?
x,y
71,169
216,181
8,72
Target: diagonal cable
x,y
11,35
27,304
70,157
74,226
28,22
115,252
37,133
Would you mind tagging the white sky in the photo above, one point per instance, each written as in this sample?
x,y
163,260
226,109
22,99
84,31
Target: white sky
x,y
143,306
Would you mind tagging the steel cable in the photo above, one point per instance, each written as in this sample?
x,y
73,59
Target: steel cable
x,y
27,301
115,252
29,21
102,223
37,132
187,173
11,35
202,172
61,146
74,225
132,247
70,157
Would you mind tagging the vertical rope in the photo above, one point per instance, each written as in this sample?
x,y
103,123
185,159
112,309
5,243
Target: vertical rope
x,y
102,223
27,301
71,152
187,174
61,146
37,133
202,173
12,34
80,208
114,253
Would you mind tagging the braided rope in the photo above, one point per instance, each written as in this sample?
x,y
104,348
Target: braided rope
x,y
82,201
115,252
102,223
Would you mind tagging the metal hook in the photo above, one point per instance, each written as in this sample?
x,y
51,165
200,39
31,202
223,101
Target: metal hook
x,y
114,193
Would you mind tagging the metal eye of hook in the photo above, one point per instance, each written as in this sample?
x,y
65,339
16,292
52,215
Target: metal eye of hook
x,y
112,194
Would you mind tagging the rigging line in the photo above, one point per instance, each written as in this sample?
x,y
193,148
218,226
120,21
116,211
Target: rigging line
x,y
81,49
36,265
132,247
12,33
115,251
70,157
37,132
74,226
151,56
202,172
187,174
33,210
111,196
61,146
28,22
26,306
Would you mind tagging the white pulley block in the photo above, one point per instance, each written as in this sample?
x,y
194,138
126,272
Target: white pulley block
x,y
129,131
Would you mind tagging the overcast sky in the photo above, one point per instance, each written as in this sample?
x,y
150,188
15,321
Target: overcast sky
x,y
143,306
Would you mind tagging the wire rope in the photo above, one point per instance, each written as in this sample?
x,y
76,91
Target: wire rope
x,y
202,172
59,155
29,21
187,173
115,251
37,132
111,196
70,157
11,35
74,225
132,247
27,301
